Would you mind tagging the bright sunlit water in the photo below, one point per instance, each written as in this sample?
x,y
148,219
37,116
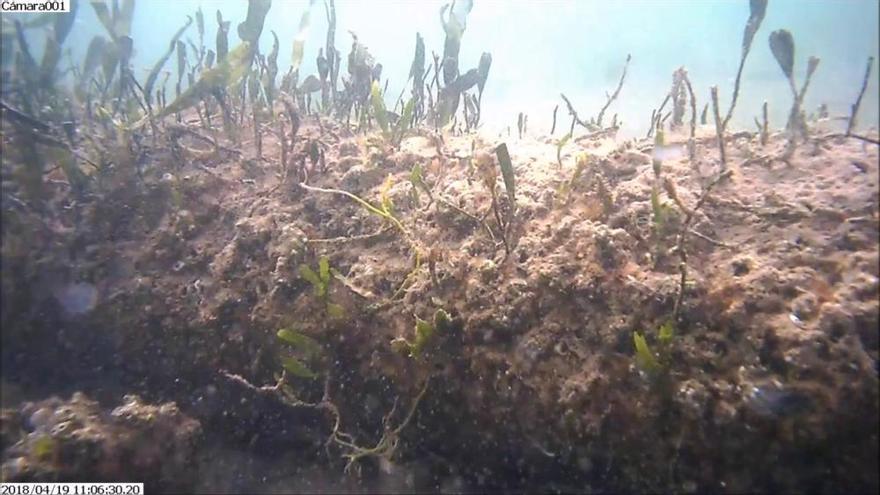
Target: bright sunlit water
x,y
577,47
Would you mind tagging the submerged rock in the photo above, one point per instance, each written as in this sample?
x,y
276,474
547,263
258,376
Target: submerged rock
x,y
78,440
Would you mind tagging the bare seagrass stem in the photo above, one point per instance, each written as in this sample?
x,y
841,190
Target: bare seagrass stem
x,y
692,146
739,71
385,214
855,107
258,137
188,130
574,115
282,138
719,127
757,10
479,221
657,114
369,207
616,92
866,139
684,230
343,239
147,107
765,128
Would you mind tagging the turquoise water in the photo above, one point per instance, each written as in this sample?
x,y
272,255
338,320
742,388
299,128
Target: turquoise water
x,y
179,270
542,48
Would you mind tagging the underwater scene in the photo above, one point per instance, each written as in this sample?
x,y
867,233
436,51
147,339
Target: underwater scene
x,y
441,246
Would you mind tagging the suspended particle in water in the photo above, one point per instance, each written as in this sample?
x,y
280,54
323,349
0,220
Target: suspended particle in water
x,y
77,298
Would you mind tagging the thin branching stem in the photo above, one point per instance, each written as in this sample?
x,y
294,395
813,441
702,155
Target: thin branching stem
x,y
685,229
616,92
573,113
